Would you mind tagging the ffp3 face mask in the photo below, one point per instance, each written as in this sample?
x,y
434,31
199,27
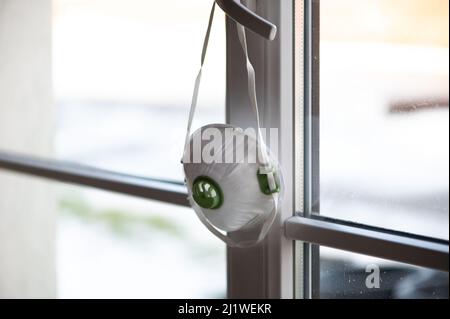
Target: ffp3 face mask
x,y
237,197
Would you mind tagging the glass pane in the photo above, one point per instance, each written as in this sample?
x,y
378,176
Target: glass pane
x,y
384,121
72,242
123,73
112,246
348,275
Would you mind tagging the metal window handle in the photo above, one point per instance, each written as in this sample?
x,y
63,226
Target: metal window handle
x,y
240,13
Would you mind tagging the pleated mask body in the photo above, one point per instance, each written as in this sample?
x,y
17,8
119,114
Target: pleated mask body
x,y
243,204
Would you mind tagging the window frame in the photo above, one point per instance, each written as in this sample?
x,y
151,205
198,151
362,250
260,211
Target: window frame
x,y
286,264
267,270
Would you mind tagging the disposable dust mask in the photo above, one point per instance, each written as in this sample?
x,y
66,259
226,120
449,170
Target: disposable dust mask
x,y
234,182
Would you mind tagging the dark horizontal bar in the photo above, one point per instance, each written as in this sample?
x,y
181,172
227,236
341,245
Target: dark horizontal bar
x,y
408,106
401,248
67,172
376,229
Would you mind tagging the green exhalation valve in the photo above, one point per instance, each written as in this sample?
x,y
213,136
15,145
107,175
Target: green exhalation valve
x,y
268,180
207,193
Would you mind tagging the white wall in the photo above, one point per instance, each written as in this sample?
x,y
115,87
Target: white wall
x,y
27,214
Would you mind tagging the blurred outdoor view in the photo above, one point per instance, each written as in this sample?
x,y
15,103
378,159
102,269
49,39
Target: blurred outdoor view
x,y
123,73
384,132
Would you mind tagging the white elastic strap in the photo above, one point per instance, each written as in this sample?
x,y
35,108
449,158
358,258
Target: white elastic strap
x,y
266,227
229,241
251,82
214,230
254,104
199,77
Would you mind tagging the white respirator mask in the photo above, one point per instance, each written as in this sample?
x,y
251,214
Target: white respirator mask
x,y
234,182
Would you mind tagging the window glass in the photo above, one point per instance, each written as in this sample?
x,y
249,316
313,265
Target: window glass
x,y
384,121
114,246
349,275
75,242
123,74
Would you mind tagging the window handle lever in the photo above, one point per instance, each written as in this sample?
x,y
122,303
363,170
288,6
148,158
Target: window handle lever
x,y
240,13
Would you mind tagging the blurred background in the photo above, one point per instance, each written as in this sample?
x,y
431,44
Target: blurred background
x,y
384,134
123,75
